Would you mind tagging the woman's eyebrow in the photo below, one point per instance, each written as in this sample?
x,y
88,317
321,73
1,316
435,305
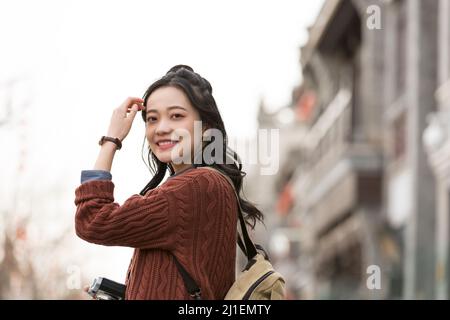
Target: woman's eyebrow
x,y
168,108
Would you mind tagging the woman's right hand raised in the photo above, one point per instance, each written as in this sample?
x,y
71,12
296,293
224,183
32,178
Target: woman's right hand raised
x,y
123,116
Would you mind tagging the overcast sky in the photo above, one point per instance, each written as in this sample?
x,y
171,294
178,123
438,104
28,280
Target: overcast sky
x,y
75,61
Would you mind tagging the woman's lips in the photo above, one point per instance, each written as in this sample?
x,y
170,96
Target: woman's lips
x,y
165,145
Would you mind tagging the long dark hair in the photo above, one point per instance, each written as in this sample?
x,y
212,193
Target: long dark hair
x,y
199,92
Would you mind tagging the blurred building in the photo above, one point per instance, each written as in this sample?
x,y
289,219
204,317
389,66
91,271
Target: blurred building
x,y
410,83
437,144
355,189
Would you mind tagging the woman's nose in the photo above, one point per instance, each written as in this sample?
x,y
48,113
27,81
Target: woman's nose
x,y
162,127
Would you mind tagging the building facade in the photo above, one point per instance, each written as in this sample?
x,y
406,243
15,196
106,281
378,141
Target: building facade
x,y
360,195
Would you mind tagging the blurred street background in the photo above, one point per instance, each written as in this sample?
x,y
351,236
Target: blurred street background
x,y
358,89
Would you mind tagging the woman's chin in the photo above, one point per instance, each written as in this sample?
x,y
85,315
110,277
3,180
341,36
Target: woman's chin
x,y
164,158
168,158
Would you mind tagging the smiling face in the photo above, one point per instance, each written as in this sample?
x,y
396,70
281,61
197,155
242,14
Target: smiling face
x,y
169,114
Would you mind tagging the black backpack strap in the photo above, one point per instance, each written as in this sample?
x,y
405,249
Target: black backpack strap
x,y
190,284
241,244
250,251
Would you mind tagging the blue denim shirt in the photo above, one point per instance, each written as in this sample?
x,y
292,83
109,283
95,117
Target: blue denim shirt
x,y
88,175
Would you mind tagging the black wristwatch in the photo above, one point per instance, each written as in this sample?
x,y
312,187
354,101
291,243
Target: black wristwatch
x,y
115,140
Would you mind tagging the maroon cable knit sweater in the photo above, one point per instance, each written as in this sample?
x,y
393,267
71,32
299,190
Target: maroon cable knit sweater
x,y
192,215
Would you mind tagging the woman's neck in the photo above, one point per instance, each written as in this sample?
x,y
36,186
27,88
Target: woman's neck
x,y
177,168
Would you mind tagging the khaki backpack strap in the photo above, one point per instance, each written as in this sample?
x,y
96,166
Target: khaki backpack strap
x,y
250,249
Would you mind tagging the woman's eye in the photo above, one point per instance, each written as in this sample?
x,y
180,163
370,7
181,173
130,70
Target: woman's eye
x,y
177,116
151,119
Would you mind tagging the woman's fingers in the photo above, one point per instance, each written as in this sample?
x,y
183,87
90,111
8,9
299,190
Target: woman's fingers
x,y
139,107
134,109
129,102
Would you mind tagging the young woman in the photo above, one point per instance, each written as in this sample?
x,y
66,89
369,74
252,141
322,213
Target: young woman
x,y
191,218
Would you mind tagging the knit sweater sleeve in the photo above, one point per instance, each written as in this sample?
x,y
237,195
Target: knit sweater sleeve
x,y
140,222
158,219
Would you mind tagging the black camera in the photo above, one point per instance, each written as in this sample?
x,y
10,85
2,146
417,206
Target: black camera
x,y
105,289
